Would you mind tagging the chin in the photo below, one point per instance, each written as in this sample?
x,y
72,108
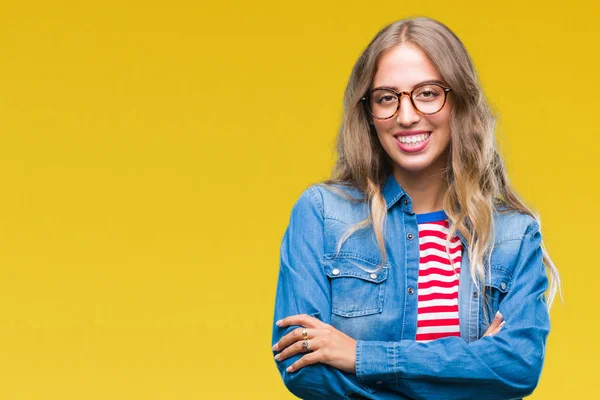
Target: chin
x,y
418,163
414,167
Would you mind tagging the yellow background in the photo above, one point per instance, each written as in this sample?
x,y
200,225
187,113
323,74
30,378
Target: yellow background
x,y
150,154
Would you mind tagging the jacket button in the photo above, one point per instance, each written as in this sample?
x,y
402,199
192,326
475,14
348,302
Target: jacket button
x,y
373,276
405,202
335,271
411,290
410,236
379,382
503,286
475,295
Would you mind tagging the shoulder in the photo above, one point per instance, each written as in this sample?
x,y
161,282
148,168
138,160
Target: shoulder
x,y
516,237
511,225
344,203
326,204
310,202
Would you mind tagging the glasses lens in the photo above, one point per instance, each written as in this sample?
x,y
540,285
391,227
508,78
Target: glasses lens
x,y
383,103
429,98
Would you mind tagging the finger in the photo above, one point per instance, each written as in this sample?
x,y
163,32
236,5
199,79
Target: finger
x,y
303,320
494,325
307,359
297,348
300,319
498,329
293,337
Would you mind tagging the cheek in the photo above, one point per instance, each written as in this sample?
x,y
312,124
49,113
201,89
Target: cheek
x,y
383,126
441,123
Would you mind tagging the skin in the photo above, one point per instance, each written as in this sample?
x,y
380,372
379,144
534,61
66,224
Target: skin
x,y
420,175
329,345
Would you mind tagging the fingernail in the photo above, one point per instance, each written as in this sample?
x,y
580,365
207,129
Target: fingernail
x,y
502,324
277,356
278,323
274,348
497,315
289,369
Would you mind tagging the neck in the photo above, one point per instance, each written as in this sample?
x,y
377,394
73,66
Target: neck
x,y
425,188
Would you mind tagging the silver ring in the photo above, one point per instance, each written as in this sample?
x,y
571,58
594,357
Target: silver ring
x,y
306,345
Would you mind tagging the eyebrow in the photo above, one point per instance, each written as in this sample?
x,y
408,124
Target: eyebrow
x,y
428,82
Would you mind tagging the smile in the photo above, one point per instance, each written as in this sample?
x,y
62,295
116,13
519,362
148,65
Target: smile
x,y
413,140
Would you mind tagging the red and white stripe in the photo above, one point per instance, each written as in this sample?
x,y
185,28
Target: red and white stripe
x,y
438,283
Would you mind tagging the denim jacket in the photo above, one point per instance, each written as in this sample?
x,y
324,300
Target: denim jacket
x,y
379,310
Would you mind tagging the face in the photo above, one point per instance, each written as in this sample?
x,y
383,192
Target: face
x,y
416,143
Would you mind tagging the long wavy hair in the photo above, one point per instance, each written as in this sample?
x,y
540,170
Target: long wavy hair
x,y
475,178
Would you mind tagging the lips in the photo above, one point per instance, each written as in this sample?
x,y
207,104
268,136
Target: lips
x,y
412,141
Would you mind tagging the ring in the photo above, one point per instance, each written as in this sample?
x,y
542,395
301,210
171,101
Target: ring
x,y
304,333
306,345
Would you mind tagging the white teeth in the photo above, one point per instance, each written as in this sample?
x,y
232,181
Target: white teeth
x,y
413,139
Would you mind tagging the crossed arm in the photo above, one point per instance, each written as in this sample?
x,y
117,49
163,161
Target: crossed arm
x,y
503,365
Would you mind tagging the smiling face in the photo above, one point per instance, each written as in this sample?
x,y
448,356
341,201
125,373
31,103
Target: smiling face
x,y
417,144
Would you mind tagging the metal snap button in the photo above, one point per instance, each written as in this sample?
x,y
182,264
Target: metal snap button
x,y
475,295
373,276
335,271
503,286
411,290
410,236
405,202
379,382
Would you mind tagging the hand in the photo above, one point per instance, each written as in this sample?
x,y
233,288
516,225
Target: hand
x,y
496,325
327,344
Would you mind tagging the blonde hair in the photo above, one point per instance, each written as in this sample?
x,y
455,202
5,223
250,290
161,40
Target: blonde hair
x,y
475,177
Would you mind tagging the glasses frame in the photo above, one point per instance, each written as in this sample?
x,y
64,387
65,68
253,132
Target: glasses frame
x,y
365,98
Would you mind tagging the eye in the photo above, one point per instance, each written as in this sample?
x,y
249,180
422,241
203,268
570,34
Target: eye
x,y
388,98
427,93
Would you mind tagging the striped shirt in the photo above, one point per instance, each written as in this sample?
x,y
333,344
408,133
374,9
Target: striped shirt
x,y
438,279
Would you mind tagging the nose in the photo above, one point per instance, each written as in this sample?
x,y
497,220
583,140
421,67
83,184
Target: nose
x,y
407,115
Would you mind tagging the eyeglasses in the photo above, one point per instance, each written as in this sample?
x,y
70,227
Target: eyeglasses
x,y
426,98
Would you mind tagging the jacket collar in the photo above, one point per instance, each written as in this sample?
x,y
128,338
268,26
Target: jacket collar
x,y
392,192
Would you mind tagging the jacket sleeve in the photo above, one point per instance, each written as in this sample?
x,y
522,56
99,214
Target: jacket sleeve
x,y
303,288
505,366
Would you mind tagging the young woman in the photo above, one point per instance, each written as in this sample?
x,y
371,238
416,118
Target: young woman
x,y
416,272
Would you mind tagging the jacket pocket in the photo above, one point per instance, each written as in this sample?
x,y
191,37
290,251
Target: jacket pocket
x,y
496,287
355,292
